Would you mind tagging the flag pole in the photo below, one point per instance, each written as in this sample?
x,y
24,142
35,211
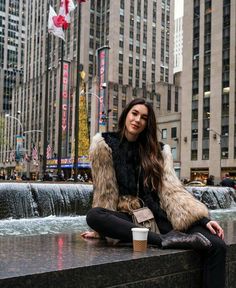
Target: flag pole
x,y
77,96
60,116
45,129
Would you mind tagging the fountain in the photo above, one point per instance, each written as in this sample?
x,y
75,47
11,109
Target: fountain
x,y
52,208
27,200
214,197
52,252
43,208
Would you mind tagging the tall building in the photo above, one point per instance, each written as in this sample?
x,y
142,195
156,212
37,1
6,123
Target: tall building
x,y
139,34
12,52
208,95
178,35
12,48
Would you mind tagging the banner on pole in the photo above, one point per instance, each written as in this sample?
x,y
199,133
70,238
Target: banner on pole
x,y
19,147
103,57
65,109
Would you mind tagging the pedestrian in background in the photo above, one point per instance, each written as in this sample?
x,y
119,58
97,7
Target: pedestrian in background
x,y
227,181
210,180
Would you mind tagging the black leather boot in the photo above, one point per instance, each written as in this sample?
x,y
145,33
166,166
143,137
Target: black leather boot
x,y
176,239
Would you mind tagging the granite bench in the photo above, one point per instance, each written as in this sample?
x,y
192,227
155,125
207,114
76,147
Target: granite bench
x,y
68,261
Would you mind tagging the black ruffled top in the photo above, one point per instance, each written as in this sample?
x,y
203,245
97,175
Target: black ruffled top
x,y
126,162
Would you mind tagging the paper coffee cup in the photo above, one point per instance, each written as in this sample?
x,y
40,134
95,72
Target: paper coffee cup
x,y
139,239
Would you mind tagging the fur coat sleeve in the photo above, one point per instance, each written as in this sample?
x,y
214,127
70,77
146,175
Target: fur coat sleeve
x,y
105,186
181,207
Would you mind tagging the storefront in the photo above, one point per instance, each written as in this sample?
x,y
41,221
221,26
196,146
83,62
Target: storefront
x,y
67,166
199,174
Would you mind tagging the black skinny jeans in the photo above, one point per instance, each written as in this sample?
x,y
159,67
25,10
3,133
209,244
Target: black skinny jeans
x,y
118,225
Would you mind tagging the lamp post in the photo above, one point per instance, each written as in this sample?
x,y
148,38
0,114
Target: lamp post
x,y
15,118
220,142
100,107
19,144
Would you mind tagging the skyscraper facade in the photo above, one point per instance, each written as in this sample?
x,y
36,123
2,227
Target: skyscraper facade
x,y
139,34
208,82
12,48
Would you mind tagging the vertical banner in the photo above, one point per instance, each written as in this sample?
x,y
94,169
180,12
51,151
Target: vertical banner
x,y
103,57
65,110
19,147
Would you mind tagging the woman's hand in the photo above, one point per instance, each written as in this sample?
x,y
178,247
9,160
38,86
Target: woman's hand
x,y
90,235
215,228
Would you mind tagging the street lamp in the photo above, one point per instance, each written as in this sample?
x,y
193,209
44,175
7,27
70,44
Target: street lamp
x,y
19,138
100,107
15,118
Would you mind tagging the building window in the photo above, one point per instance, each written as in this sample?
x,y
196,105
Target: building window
x,y
195,114
169,98
120,68
194,134
164,134
176,99
173,132
122,18
130,72
205,154
193,155
174,153
224,153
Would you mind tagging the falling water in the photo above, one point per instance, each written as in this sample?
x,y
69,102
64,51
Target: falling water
x,y
43,208
26,200
214,197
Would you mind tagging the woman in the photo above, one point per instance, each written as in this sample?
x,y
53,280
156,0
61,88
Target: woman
x,y
130,163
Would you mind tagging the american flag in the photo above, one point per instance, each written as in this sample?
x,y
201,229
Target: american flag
x,y
35,154
12,156
26,157
49,152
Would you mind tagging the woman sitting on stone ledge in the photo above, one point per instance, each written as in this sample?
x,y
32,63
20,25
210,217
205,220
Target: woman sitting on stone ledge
x,y
132,163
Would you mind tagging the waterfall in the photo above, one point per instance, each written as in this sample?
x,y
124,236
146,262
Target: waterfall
x,y
214,197
27,200
30,200
35,208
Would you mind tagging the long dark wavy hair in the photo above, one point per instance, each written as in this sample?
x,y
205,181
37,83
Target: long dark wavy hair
x,y
149,147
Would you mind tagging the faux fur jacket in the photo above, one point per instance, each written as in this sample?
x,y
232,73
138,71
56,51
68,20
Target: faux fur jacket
x,y
181,207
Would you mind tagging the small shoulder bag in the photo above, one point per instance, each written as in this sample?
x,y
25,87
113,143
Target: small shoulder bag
x,y
145,218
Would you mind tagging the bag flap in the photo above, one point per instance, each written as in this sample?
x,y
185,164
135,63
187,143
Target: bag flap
x,y
143,214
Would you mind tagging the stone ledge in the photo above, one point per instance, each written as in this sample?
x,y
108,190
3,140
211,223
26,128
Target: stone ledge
x,y
66,260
